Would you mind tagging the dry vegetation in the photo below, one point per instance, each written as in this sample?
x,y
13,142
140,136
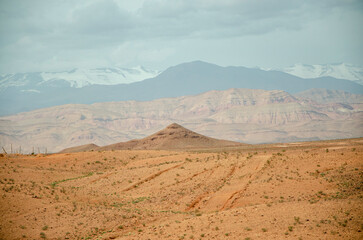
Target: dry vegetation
x,y
286,191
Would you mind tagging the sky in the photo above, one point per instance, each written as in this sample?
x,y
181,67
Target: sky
x,y
43,35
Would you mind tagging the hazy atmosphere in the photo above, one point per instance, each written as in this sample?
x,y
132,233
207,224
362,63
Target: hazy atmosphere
x,y
62,35
181,119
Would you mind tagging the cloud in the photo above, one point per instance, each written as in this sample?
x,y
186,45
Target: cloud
x,y
159,18
34,33
100,17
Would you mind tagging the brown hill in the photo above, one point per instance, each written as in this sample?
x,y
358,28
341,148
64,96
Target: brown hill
x,y
173,136
82,148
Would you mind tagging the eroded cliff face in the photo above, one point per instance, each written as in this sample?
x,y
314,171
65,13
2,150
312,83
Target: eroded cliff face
x,y
250,116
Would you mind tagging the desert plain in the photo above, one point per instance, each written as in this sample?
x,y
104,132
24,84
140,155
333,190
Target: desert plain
x,y
308,190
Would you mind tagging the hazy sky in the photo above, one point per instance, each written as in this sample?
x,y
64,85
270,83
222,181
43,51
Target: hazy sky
x,y
61,35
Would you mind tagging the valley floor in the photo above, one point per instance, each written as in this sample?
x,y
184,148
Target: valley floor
x,y
309,190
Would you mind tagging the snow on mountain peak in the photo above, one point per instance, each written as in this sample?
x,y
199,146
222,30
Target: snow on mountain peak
x,y
80,77
338,70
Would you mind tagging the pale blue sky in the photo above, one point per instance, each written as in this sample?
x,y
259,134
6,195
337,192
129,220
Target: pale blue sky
x,y
61,35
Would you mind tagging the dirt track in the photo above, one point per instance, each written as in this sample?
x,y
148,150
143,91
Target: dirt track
x,y
286,191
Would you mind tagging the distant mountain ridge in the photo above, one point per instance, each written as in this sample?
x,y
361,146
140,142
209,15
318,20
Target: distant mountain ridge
x,y
181,80
339,70
243,115
77,78
330,96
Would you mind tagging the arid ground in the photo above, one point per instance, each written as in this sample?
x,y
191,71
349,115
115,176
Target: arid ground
x,y
310,190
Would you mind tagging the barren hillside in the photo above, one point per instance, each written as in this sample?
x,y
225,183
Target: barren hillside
x,y
243,115
82,148
309,190
173,137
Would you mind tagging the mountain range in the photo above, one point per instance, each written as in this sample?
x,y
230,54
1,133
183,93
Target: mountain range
x,y
76,78
243,115
339,70
26,92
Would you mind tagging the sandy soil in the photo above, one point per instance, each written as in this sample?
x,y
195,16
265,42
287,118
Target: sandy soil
x,y
307,190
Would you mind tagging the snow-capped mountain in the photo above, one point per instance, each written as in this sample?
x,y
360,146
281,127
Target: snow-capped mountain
x,y
102,76
76,78
25,92
341,71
